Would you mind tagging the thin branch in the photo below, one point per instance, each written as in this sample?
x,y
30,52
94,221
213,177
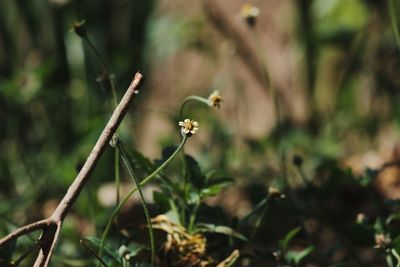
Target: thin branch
x,y
48,239
52,226
29,228
105,137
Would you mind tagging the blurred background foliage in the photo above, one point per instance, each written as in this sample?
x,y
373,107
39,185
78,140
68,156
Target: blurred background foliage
x,y
334,64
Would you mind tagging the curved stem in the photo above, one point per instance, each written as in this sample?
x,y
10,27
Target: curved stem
x,y
191,98
93,47
106,68
267,79
143,182
146,210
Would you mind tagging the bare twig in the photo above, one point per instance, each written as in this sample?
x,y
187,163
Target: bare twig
x,y
51,226
29,228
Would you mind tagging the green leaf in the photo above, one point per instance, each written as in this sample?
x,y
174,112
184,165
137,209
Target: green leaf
x,y
135,248
284,243
219,229
196,177
245,221
295,257
161,200
193,198
136,182
215,186
140,164
132,250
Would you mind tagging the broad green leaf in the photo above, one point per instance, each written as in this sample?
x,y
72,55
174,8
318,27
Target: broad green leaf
x,y
161,200
195,175
165,154
140,164
220,229
215,186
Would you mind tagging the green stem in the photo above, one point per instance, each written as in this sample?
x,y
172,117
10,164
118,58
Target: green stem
x,y
146,210
106,68
267,79
184,103
389,260
397,256
193,216
117,175
191,98
265,73
393,21
93,47
143,182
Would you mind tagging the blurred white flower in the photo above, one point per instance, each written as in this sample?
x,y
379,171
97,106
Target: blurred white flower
x,y
250,14
215,99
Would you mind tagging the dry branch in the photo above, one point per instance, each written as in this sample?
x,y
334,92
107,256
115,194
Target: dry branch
x,y
51,226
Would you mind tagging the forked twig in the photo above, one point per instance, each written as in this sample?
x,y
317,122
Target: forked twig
x,y
51,226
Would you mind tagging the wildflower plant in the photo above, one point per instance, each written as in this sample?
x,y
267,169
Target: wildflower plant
x,y
318,213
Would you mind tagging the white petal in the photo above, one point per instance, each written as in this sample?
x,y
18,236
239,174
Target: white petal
x,y
186,121
186,131
181,123
195,123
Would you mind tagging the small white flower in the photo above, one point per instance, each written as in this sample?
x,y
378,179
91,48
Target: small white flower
x,y
215,99
189,127
250,14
